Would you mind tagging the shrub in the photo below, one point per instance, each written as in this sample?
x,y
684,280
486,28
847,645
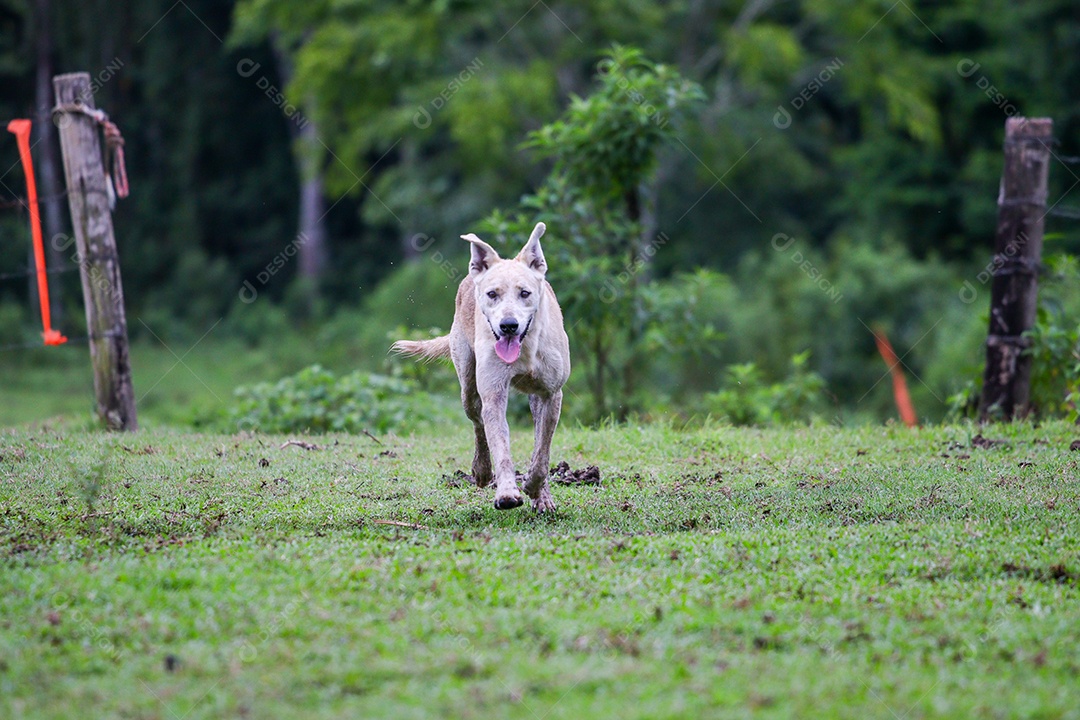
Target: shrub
x,y
315,400
1055,366
747,399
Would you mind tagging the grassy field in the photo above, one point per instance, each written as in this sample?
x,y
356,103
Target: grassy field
x,y
170,381
822,572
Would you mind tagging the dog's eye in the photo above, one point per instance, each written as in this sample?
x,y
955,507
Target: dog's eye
x,y
492,294
525,293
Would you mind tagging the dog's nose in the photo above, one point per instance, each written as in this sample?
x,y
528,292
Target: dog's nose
x,y
509,326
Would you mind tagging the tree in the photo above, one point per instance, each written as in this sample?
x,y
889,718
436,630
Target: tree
x,y
605,148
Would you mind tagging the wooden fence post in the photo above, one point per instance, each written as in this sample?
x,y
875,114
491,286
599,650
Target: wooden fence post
x,y
1017,257
99,265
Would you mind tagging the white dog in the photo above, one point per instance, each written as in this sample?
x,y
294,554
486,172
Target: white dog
x,y
516,340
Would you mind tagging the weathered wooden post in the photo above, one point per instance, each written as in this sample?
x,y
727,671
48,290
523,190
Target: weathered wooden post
x,y
1017,257
99,265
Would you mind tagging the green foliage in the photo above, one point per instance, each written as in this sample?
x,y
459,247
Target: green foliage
x,y
789,298
1055,377
747,399
315,400
1055,341
592,281
605,145
684,340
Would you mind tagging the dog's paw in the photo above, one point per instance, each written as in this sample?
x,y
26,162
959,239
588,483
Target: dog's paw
x,y
509,501
543,502
533,483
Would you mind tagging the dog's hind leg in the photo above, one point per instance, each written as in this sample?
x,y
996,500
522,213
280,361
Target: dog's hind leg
x,y
465,365
545,412
481,464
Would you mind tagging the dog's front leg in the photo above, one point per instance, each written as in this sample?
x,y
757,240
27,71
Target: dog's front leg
x,y
545,413
494,397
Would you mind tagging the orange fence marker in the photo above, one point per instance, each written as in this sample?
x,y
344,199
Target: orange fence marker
x,y
900,391
21,129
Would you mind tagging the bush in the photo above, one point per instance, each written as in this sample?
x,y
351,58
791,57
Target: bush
x,y
747,399
1055,366
315,400
1055,340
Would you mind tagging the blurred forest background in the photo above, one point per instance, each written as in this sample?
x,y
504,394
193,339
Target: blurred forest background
x,y
735,193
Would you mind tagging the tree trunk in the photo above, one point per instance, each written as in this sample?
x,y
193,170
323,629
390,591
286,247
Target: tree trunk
x,y
44,140
312,252
600,353
633,326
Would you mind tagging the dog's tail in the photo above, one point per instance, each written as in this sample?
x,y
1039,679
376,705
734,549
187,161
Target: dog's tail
x,y
426,350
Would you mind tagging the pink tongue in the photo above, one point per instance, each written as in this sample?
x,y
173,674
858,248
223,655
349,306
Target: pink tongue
x,y
508,347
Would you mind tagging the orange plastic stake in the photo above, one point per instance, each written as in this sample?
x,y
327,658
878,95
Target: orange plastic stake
x,y
21,129
900,391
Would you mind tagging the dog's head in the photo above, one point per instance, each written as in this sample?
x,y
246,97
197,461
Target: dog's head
x,y
508,292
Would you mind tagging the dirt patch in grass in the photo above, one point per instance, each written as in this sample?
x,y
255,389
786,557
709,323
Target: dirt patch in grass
x,y
1058,573
986,443
458,479
564,475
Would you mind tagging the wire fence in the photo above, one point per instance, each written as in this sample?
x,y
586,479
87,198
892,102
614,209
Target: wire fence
x,y
20,274
71,341
19,203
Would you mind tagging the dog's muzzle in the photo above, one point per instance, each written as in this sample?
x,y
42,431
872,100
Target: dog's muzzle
x,y
508,342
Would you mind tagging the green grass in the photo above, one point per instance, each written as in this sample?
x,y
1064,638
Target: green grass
x,y
809,573
170,381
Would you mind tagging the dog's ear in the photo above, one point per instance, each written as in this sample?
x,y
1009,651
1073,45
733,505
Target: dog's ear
x,y
483,255
532,255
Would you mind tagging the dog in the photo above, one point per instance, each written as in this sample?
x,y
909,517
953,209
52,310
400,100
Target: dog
x,y
507,332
